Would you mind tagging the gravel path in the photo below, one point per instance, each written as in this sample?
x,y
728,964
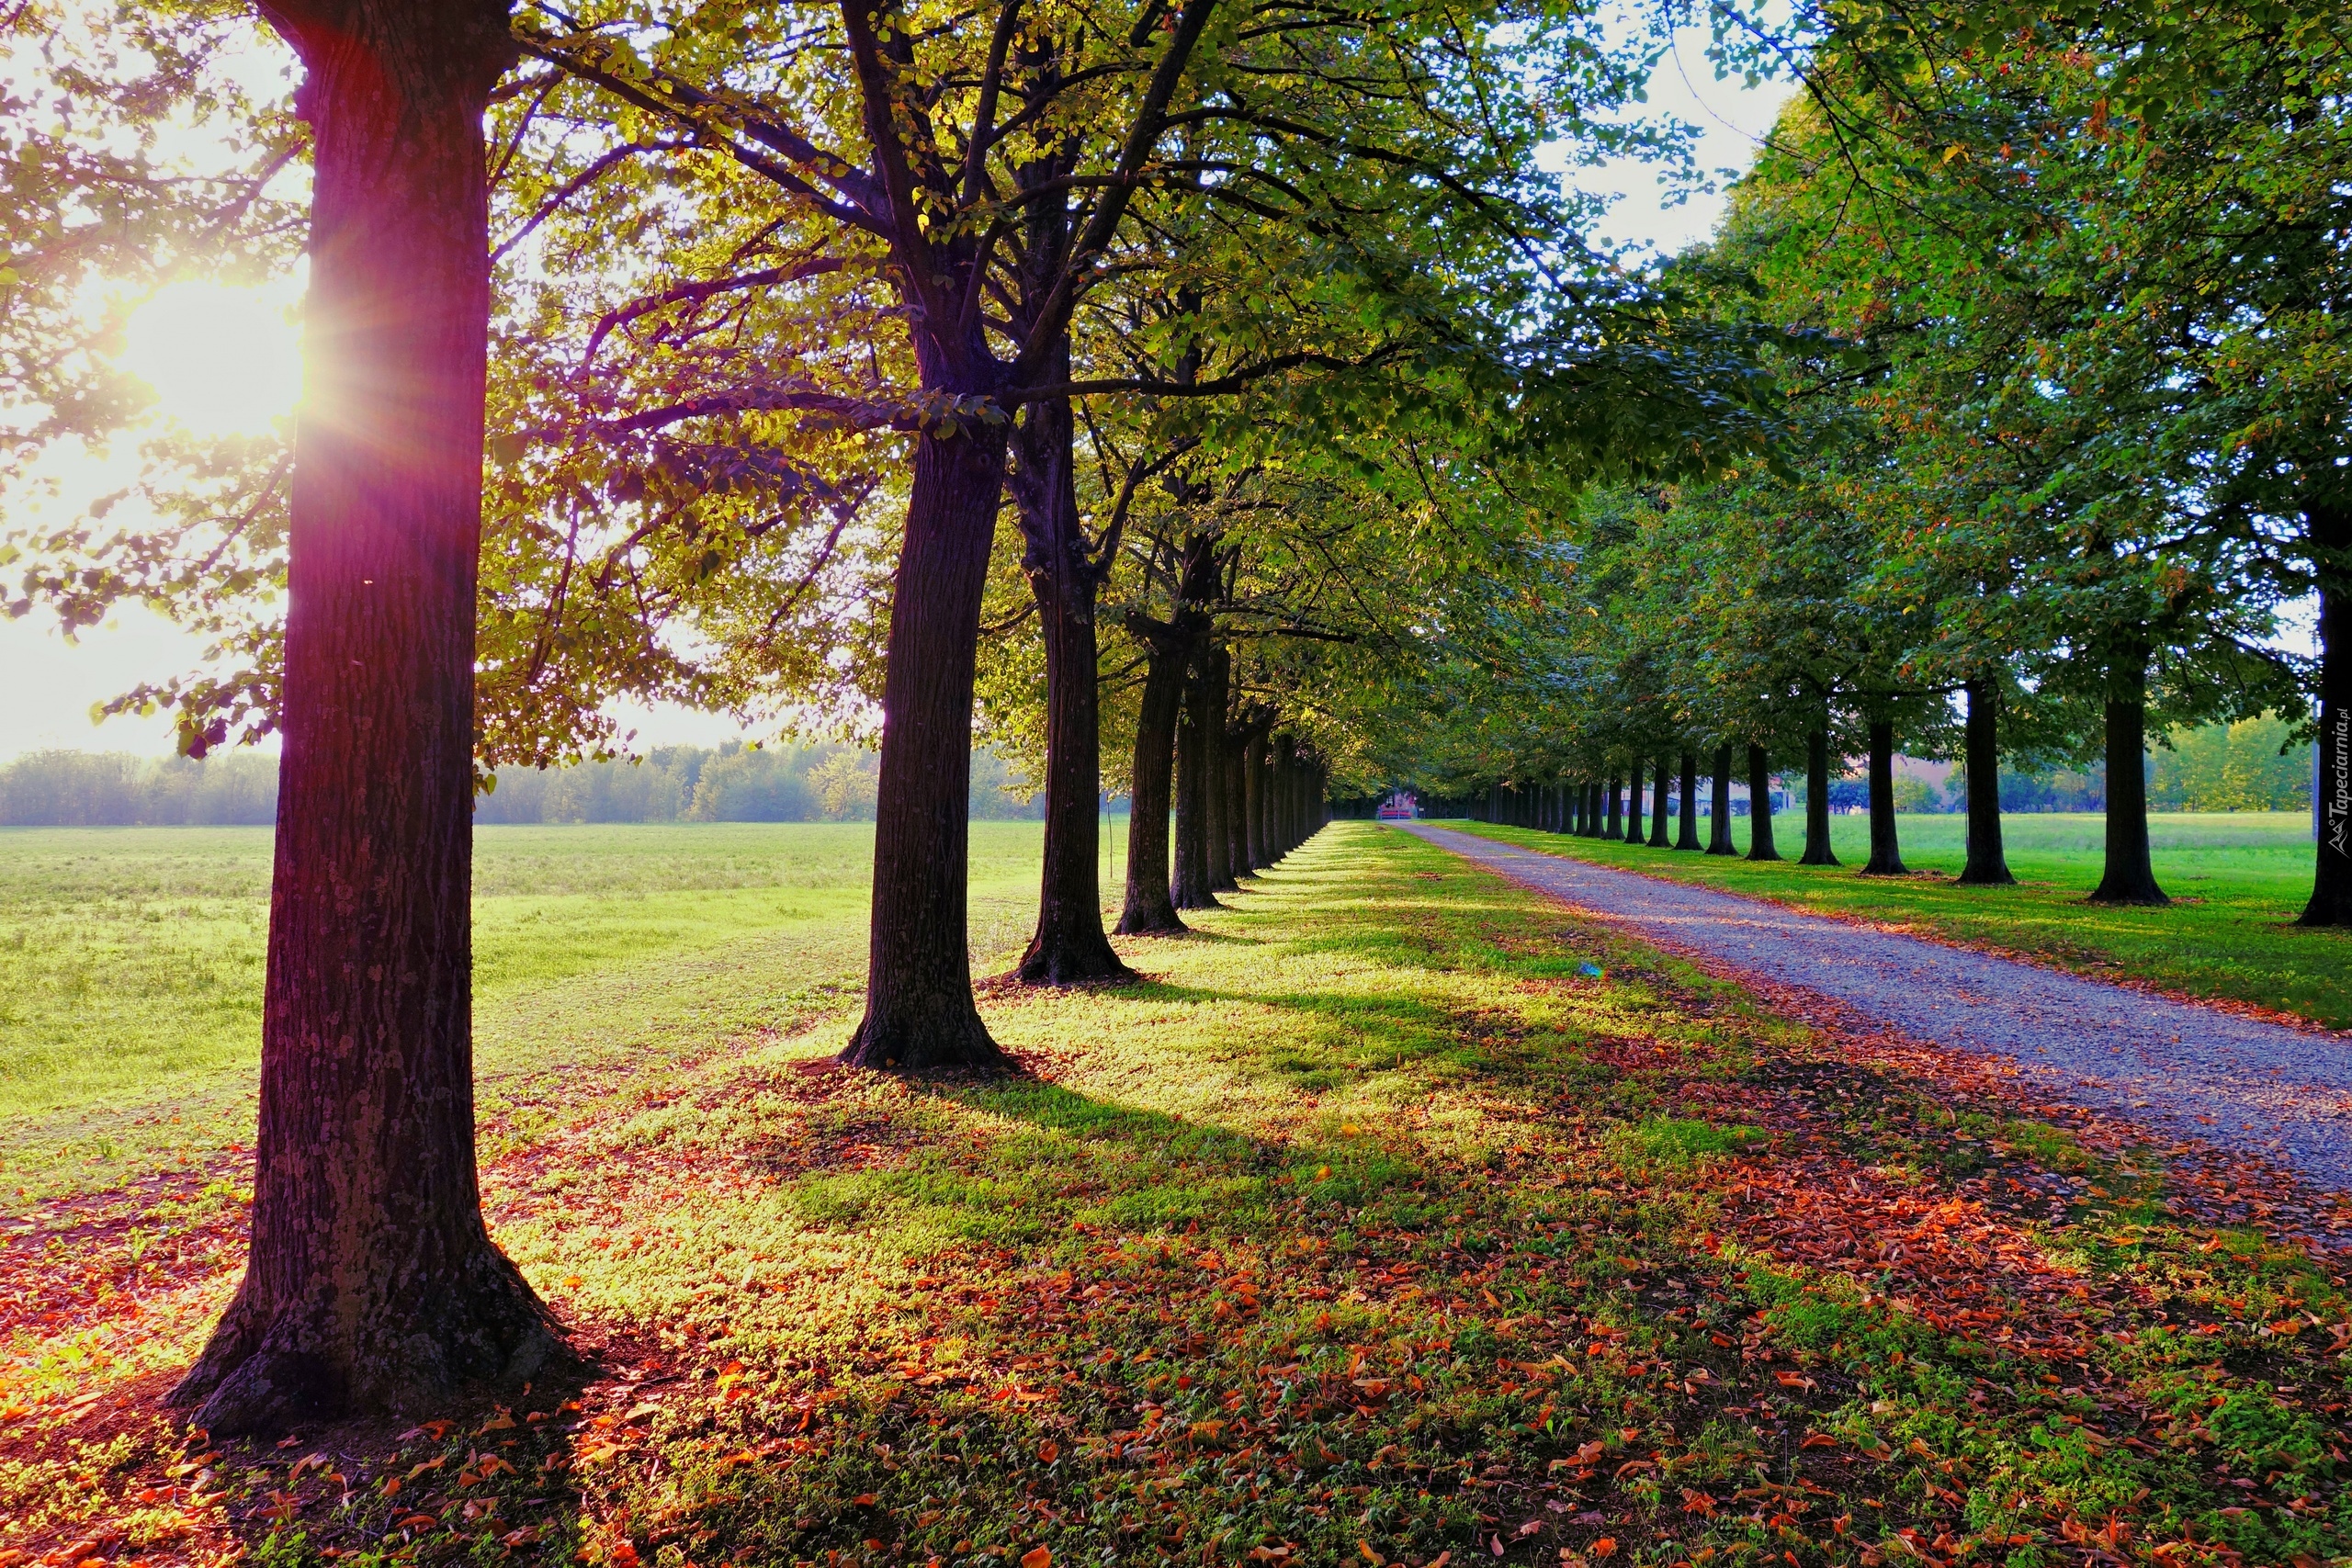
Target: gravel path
x,y
2276,1093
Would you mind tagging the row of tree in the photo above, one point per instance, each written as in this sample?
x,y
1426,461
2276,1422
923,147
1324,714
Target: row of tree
x,y
669,784
1282,353
2055,297
789,302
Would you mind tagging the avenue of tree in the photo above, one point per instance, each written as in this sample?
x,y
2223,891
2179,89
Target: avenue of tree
x,y
2063,375
697,355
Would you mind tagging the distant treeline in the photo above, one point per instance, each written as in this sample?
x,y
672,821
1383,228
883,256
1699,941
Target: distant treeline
x,y
2223,767
672,784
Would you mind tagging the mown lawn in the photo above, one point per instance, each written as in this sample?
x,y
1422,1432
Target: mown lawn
x,y
2237,882
1398,1218
130,967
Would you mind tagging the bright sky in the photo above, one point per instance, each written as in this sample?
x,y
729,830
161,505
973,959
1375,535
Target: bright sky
x,y
225,359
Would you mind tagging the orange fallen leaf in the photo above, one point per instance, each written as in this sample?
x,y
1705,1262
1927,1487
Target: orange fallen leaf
x,y
1605,1547
1038,1557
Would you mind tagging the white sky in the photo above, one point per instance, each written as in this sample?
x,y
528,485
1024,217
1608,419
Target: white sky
x,y
212,355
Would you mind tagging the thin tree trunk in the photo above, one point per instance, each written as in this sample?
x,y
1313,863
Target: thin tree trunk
x,y
1659,836
2129,877
1190,886
1719,828
1987,866
1253,783
2331,901
1069,945
371,1283
1278,796
1688,839
1759,805
1237,801
1216,679
1816,801
1148,910
1616,827
1886,854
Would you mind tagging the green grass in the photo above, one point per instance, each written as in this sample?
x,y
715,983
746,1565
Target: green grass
x,y
2237,882
1398,1217
130,964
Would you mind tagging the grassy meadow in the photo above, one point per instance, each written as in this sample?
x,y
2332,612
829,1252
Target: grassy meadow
x,y
2237,881
1396,1217
130,964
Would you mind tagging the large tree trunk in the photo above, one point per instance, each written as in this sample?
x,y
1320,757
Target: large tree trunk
x,y
1759,805
2128,878
371,1284
1148,910
1616,825
1069,945
1987,866
919,1010
1688,838
1719,827
1660,808
2331,902
1886,854
1816,801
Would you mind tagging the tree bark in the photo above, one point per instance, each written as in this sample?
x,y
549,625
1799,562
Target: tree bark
x,y
2331,901
1719,828
1148,910
371,1284
1886,854
1659,838
919,1009
1288,768
1688,838
1816,801
1987,866
1253,784
1236,753
1190,885
1615,828
1216,822
2127,877
1759,805
1069,946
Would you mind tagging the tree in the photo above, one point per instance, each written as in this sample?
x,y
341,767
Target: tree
x,y
371,1282
2165,183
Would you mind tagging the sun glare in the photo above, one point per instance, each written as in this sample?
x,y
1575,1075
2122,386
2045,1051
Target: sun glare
x,y
223,361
